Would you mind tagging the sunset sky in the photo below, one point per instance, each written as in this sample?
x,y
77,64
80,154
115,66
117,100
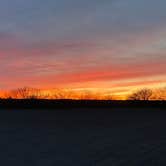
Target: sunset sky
x,y
119,45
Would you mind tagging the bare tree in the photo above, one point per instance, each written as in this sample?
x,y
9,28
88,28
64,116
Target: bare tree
x,y
63,94
35,93
85,95
159,94
58,94
162,94
26,93
143,94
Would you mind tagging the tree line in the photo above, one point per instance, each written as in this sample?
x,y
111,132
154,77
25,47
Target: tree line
x,y
33,93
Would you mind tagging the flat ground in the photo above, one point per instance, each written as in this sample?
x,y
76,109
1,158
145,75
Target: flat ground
x,y
83,137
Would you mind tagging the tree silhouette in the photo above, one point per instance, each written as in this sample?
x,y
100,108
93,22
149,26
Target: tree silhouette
x,y
159,94
26,93
162,93
143,94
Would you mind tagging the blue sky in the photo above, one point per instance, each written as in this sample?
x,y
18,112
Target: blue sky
x,y
68,19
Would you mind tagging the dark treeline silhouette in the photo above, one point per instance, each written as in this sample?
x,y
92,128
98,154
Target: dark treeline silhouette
x,y
67,104
25,93
34,98
33,93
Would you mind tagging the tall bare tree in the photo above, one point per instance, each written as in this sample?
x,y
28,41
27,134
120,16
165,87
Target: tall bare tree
x,y
143,94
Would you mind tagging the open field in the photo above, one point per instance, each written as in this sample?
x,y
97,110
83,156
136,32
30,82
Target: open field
x,y
83,137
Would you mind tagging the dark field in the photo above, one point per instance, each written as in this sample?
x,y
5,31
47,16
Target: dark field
x,y
83,137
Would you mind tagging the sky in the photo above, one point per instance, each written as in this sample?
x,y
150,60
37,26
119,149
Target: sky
x,y
98,44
